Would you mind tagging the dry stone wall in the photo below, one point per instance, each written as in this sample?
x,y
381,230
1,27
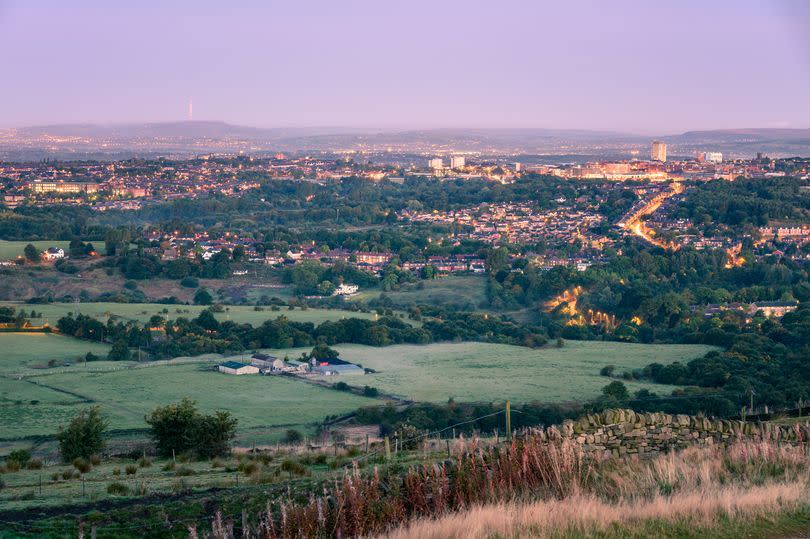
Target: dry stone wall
x,y
619,432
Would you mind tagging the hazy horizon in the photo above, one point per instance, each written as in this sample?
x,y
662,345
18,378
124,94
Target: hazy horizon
x,y
625,67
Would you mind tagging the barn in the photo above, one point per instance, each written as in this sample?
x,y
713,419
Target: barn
x,y
234,367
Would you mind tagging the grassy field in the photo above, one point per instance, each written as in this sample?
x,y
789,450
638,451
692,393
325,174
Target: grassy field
x,y
125,395
495,372
35,350
460,290
13,249
143,311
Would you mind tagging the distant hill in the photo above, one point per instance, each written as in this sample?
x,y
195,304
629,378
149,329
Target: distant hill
x,y
194,137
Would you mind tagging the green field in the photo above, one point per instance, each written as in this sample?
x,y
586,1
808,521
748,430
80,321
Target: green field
x,y
13,249
460,290
143,311
259,402
33,350
494,372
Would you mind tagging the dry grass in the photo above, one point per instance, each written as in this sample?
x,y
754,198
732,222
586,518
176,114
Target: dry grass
x,y
584,515
543,485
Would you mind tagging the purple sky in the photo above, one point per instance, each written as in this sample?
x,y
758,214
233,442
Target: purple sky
x,y
640,66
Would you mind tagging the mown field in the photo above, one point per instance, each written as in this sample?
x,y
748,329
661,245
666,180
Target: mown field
x,y
495,372
468,291
13,249
35,350
142,312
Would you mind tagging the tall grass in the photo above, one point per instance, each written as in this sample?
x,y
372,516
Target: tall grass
x,y
539,484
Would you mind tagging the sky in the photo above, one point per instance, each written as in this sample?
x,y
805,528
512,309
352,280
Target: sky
x,y
647,67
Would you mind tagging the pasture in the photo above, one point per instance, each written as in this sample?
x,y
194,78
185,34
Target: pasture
x,y
468,291
13,249
35,350
127,392
481,372
142,312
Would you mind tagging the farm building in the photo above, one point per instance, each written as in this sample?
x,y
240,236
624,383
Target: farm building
x,y
266,361
330,367
234,367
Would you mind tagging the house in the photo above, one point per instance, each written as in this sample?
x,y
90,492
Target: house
x,y
334,366
53,253
774,308
235,367
345,290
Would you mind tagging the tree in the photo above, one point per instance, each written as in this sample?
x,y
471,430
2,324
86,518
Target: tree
x,y
119,351
31,253
84,436
616,391
181,427
292,436
203,297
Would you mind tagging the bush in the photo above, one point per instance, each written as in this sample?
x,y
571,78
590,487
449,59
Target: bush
x,y
369,391
292,436
82,465
203,297
169,466
116,471
84,436
189,282
117,489
607,370
293,467
34,464
12,466
20,456
248,468
183,471
95,460
131,469
217,463
144,462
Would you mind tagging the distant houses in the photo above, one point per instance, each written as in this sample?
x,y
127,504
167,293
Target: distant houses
x,y
771,309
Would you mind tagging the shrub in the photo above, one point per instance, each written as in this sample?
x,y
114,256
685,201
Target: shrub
x,y
34,464
183,471
82,465
144,462
84,436
248,468
169,466
131,469
20,456
12,466
116,471
369,391
292,436
117,489
217,463
607,370
189,282
293,467
56,476
95,460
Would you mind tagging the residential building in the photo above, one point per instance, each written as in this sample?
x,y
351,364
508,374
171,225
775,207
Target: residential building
x,y
659,151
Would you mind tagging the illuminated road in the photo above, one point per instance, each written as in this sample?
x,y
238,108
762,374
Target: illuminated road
x,y
634,223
